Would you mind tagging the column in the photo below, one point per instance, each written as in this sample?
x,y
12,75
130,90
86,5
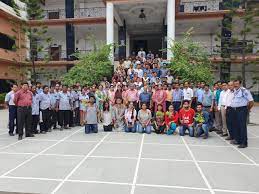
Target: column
x,y
170,26
110,27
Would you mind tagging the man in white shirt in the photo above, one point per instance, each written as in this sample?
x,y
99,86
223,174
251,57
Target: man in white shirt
x,y
12,108
187,92
222,107
142,53
139,71
229,111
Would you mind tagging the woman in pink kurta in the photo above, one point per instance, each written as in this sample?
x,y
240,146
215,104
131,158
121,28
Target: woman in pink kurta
x,y
159,97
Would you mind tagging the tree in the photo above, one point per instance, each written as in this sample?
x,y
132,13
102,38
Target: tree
x,y
240,22
37,36
91,68
190,61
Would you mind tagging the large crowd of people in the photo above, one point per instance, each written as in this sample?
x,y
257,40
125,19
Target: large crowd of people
x,y
142,96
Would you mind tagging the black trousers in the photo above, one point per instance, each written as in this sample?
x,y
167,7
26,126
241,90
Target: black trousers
x,y
77,117
177,105
230,121
12,118
46,124
107,128
54,118
24,119
35,122
240,124
64,117
71,118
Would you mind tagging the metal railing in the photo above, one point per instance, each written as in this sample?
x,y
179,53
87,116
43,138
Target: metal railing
x,y
54,56
200,6
90,12
78,13
55,14
233,51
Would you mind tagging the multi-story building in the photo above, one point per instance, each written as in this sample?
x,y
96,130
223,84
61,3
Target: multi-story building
x,y
133,24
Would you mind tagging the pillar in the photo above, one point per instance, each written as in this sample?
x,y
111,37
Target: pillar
x,y
110,27
170,26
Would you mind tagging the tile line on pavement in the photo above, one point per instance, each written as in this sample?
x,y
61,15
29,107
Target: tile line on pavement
x,y
37,154
79,164
198,167
235,148
133,187
130,184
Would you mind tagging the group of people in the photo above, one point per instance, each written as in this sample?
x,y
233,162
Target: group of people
x,y
142,96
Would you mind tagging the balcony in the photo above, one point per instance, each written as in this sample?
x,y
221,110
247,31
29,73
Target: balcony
x,y
200,6
94,12
58,55
234,51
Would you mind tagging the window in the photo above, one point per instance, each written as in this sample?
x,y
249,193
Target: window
x,y
7,2
6,42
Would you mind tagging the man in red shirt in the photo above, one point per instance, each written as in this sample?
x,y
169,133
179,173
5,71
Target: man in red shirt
x,y
186,115
23,101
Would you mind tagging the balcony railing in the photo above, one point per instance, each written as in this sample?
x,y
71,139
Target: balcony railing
x,y
200,6
78,13
54,56
60,55
90,12
233,51
55,14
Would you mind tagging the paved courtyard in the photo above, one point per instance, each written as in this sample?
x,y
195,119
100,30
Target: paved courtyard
x,y
66,162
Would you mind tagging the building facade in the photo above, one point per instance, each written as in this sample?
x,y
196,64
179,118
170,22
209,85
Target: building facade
x,y
133,25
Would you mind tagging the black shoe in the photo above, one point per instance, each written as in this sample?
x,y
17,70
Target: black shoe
x,y
205,137
61,128
219,132
30,135
43,132
224,135
49,130
35,132
67,128
11,134
242,146
20,137
228,138
234,142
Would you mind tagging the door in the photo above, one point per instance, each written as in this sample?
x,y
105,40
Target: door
x,y
55,53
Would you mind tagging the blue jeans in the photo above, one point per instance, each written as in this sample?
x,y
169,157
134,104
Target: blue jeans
x,y
202,129
91,128
12,118
171,129
183,128
147,129
131,129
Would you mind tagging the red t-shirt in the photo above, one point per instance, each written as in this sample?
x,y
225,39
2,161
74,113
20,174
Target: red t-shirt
x,y
186,116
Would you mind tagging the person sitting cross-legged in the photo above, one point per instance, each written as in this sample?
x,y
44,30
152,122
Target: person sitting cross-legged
x,y
186,115
201,121
171,120
144,118
159,122
130,118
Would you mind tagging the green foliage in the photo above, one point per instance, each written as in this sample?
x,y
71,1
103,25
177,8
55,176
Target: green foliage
x,y
190,60
2,98
92,67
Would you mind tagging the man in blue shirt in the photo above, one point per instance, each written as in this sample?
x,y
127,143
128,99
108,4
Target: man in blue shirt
x,y
241,104
145,97
201,121
177,97
45,104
